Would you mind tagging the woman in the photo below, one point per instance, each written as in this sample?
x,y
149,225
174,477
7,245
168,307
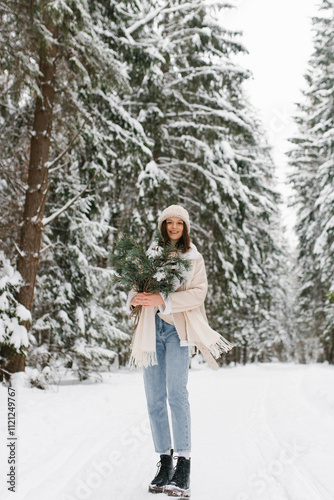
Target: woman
x,y
166,328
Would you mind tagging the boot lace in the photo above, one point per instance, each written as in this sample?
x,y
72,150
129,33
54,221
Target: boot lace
x,y
162,471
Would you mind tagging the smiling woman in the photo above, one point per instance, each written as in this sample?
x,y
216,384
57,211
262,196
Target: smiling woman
x,y
167,327
174,228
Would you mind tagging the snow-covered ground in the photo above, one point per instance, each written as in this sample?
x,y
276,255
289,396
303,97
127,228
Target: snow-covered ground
x,y
260,432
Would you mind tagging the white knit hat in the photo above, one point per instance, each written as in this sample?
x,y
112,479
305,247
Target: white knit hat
x,y
175,211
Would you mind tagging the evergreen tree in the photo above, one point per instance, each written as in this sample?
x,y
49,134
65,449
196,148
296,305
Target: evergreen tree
x,y
74,281
147,109
313,180
80,135
208,155
13,336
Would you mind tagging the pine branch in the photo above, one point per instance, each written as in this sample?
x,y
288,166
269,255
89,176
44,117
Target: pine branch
x,y
147,19
69,147
62,165
52,217
165,9
153,271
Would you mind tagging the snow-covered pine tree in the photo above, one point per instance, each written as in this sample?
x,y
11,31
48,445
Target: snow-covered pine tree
x,y
261,321
91,137
205,154
312,159
74,279
81,238
13,336
18,77
208,155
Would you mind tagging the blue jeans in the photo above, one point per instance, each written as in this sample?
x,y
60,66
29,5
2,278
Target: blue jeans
x,y
168,380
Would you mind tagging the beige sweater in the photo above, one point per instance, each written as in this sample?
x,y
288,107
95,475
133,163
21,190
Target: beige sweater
x,y
185,309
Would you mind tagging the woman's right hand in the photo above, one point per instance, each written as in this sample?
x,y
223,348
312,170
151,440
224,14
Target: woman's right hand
x,y
137,300
147,300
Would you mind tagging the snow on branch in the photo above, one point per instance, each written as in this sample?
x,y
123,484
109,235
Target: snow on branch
x,y
166,9
147,19
67,205
206,70
69,147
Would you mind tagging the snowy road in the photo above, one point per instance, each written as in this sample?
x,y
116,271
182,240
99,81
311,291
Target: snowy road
x,y
260,432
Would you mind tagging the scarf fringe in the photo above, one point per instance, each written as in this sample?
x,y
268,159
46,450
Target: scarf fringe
x,y
222,345
144,359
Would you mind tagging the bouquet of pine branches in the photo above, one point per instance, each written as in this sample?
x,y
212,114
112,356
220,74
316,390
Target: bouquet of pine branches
x,y
160,269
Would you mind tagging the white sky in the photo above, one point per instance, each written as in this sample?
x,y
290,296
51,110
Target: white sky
x,y
278,35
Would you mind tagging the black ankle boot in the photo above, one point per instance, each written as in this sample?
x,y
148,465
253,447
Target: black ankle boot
x,y
164,474
179,485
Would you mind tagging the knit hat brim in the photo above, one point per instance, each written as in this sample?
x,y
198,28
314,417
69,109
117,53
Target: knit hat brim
x,y
175,211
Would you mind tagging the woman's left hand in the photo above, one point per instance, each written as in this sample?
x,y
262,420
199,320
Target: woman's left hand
x,y
148,299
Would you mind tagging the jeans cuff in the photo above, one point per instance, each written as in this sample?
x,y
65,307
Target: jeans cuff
x,y
165,452
183,453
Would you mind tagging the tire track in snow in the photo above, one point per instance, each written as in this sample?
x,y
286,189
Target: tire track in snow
x,y
265,481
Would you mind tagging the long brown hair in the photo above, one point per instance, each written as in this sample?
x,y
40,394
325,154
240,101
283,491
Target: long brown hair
x,y
184,242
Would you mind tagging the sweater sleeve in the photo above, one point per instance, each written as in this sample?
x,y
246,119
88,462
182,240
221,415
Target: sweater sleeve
x,y
128,306
195,295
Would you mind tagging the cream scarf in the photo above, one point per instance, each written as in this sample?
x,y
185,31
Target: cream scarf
x,y
199,333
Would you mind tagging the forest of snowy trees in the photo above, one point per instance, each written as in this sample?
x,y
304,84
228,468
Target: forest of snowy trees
x,y
312,159
109,112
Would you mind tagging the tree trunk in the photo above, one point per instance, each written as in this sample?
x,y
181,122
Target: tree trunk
x,y
15,364
31,228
